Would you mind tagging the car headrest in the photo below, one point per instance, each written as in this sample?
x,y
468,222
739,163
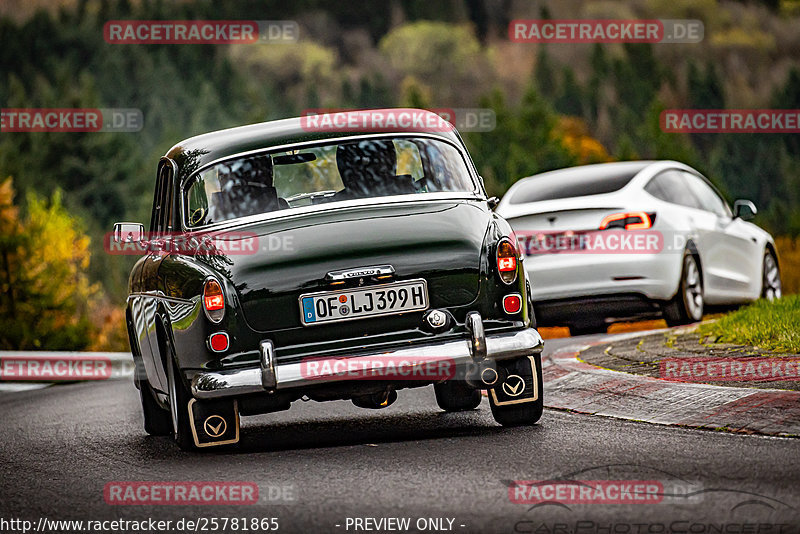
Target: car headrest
x,y
365,163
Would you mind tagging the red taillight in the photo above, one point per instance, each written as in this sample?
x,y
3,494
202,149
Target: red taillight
x,y
507,264
213,300
506,261
512,303
212,296
218,342
630,220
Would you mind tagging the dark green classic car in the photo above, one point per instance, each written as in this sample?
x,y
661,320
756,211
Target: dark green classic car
x,y
344,258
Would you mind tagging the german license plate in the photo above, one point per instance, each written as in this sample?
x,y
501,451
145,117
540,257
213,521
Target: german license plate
x,y
348,304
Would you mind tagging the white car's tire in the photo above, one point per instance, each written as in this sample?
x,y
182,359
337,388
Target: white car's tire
x,y
771,287
688,303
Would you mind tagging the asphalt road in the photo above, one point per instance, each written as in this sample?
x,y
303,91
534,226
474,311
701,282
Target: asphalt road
x,y
60,446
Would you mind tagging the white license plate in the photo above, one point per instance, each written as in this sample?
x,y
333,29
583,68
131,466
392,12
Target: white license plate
x,y
348,304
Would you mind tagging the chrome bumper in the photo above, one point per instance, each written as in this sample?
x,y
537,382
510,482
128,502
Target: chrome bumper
x,y
270,376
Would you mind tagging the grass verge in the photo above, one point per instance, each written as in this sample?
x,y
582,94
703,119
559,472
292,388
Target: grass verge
x,y
769,325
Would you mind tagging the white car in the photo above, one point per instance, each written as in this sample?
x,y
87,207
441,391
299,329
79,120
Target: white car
x,y
633,239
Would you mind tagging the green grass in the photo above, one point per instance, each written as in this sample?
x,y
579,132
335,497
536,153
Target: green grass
x,y
768,325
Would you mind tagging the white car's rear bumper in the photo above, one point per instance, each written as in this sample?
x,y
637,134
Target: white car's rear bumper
x,y
570,275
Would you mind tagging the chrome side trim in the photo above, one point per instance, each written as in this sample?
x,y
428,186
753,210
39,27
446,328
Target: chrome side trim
x,y
507,345
302,211
160,296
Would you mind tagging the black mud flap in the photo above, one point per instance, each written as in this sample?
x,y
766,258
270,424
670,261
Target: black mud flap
x,y
214,422
520,383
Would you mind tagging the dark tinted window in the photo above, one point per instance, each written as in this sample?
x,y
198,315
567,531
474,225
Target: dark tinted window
x,y
578,182
672,186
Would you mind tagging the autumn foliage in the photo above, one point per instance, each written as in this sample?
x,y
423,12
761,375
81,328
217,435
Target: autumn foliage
x,y
47,300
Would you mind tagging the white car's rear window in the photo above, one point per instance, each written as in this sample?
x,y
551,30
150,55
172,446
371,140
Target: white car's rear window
x,y
575,182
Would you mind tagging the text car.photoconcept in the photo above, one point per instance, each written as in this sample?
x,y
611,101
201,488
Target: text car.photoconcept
x,y
313,259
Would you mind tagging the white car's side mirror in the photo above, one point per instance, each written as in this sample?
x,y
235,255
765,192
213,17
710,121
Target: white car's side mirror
x,y
744,210
128,232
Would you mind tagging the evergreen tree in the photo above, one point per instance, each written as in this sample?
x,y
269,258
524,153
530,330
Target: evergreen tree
x,y
570,95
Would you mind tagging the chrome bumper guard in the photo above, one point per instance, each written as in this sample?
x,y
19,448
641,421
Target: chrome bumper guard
x,y
270,376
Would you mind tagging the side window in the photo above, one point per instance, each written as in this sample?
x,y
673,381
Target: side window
x,y
161,220
671,186
709,199
654,188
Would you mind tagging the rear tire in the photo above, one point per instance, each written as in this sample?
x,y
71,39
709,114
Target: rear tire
x,y
524,413
771,287
687,304
179,398
157,421
454,396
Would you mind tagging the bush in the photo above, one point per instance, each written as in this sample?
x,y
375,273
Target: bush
x,y
789,259
46,297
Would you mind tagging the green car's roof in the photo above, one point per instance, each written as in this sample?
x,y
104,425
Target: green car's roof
x,y
195,152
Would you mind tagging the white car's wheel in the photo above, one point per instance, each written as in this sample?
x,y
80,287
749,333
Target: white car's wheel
x,y
687,304
771,287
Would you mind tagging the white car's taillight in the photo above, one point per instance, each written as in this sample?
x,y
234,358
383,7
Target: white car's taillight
x,y
213,300
506,261
629,220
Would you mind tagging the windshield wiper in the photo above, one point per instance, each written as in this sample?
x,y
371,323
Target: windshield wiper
x,y
312,195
